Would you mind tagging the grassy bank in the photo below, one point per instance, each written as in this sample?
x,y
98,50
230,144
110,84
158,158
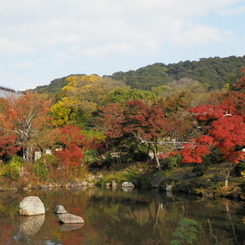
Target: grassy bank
x,y
206,181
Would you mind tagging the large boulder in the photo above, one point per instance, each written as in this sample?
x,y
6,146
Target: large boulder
x,y
31,205
59,209
68,218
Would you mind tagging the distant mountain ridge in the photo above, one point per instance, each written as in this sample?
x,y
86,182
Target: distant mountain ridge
x,y
213,72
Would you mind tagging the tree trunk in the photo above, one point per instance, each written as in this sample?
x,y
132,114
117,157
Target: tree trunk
x,y
228,175
156,157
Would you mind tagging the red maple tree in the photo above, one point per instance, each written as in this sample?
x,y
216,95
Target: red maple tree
x,y
225,129
72,141
8,145
146,123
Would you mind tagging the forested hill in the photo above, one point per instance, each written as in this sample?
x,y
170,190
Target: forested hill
x,y
214,72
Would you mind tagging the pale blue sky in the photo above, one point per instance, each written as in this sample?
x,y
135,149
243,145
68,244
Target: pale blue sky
x,y
41,40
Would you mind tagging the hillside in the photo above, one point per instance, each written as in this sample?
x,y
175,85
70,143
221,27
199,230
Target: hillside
x,y
213,72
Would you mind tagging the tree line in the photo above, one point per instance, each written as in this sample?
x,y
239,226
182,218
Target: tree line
x,y
96,121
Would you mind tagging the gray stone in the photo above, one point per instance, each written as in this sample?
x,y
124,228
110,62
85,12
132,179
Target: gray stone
x,y
31,205
168,188
68,218
127,184
29,225
59,209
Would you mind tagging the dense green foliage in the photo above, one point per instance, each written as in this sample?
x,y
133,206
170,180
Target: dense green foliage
x,y
212,72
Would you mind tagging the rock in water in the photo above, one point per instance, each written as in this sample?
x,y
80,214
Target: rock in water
x,y
59,209
31,205
128,184
68,218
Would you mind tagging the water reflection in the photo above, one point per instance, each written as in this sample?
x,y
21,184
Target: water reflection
x,y
31,224
118,217
70,227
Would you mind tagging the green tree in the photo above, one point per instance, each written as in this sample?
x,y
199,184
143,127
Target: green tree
x,y
81,97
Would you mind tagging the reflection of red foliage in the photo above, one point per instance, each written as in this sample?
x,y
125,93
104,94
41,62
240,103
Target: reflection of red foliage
x,y
69,238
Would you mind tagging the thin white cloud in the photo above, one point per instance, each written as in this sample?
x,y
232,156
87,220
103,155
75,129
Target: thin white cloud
x,y
201,34
51,33
232,11
10,47
24,64
43,24
15,82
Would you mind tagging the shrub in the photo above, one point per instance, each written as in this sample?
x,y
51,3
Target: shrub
x,y
171,162
121,176
242,187
40,170
12,169
42,165
238,169
214,157
91,157
199,169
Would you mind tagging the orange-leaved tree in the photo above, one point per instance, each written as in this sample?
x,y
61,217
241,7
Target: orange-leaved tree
x,y
23,116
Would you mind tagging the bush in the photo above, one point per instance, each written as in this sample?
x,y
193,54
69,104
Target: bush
x,y
214,157
91,157
12,169
40,170
238,168
172,161
199,169
121,176
42,165
145,180
242,187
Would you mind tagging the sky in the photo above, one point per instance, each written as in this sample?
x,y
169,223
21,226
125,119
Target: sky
x,y
41,40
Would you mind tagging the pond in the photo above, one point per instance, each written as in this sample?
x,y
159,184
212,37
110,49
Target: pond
x,y
117,217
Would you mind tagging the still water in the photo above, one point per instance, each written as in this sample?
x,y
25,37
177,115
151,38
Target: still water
x,y
120,217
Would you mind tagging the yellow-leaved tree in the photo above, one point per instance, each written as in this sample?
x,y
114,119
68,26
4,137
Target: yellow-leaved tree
x,y
81,97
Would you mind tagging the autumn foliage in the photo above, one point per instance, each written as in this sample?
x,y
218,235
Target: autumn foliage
x,y
137,118
8,145
71,141
225,130
24,116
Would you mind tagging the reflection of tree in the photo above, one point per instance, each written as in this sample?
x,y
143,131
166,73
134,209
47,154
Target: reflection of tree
x,y
118,218
137,221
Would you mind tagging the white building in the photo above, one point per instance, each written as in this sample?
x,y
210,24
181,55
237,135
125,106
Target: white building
x,y
5,92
